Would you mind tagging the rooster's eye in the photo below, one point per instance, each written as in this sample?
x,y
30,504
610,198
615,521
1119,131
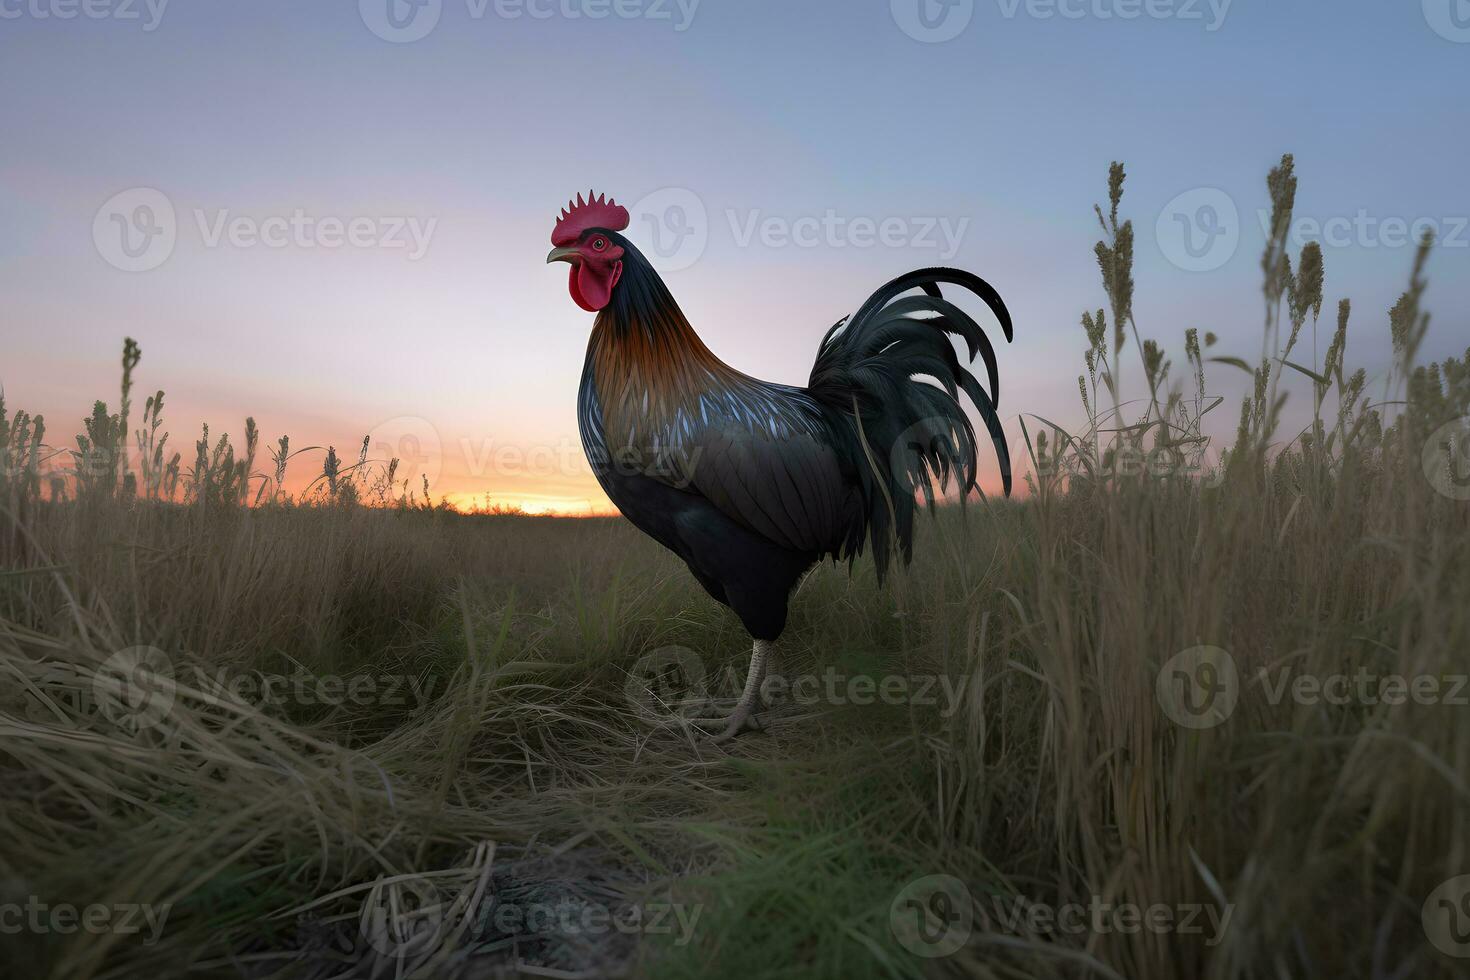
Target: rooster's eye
x,y
598,244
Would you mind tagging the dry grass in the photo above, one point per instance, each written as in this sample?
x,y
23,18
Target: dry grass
x,y
292,838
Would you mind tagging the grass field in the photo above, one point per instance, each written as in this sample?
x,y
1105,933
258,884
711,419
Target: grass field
x,y
1172,719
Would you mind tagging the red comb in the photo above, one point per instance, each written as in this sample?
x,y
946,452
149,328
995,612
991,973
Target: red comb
x,y
595,212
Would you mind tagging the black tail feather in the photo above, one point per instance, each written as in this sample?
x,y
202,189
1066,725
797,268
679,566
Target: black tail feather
x,y
901,435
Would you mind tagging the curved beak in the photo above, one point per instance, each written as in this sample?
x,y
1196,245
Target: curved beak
x,y
567,254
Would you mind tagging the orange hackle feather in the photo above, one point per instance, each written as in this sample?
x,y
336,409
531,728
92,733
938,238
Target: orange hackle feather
x,y
649,373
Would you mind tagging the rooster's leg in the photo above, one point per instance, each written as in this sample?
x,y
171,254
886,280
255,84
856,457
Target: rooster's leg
x,y
743,719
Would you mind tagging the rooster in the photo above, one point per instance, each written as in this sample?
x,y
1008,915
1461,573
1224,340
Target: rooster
x,y
752,483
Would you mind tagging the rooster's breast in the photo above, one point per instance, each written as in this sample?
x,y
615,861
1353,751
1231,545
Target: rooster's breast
x,y
648,503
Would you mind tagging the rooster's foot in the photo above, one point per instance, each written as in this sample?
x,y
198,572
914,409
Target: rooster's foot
x,y
737,727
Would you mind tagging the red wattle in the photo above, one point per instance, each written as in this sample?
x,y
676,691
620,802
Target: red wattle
x,y
576,291
591,288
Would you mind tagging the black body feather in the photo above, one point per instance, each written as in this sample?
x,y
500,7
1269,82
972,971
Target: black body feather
x,y
751,482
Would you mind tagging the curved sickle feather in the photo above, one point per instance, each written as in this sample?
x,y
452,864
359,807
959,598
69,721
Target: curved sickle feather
x,y
974,336
866,374
927,279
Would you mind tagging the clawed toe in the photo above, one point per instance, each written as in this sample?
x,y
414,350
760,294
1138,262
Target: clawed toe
x,y
737,727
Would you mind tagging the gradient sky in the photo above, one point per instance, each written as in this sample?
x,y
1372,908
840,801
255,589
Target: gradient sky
x,y
750,111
